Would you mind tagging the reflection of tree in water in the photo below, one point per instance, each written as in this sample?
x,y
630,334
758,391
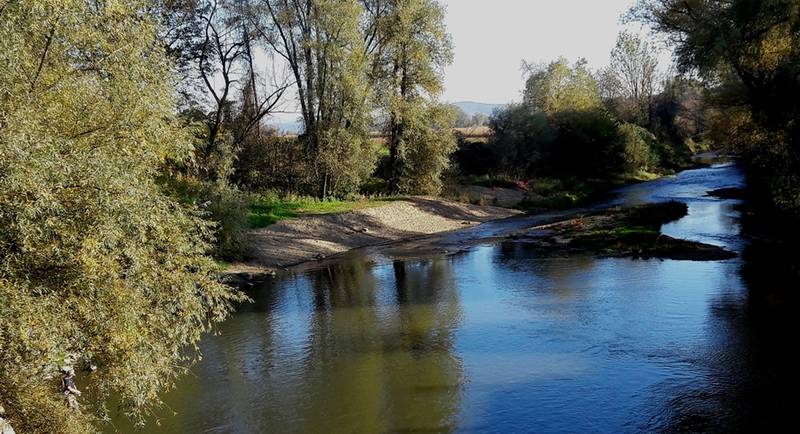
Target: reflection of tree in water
x,y
425,378
561,275
380,357
238,363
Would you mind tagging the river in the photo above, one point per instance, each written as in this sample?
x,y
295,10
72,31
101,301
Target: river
x,y
496,340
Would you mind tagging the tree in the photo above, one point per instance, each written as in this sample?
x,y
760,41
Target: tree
x,y
522,137
479,120
98,268
180,33
632,76
557,87
214,47
413,48
322,43
749,50
426,142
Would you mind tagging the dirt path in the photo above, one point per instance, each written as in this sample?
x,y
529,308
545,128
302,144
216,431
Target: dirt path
x,y
295,241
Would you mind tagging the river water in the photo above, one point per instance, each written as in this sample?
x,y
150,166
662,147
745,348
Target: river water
x,y
498,340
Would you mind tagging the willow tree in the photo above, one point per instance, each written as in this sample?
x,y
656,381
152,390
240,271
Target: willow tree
x,y
320,41
98,268
411,48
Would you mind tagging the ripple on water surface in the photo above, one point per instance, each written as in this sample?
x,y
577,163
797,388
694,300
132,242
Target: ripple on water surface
x,y
498,340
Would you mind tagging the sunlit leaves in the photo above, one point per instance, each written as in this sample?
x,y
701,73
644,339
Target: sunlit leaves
x,y
558,86
95,262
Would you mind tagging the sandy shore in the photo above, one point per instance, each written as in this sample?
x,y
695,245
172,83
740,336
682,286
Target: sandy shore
x,y
299,240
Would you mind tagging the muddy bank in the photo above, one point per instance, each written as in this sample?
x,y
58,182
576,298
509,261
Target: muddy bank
x,y
631,232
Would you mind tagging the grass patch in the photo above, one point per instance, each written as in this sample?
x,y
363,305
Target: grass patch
x,y
222,264
269,209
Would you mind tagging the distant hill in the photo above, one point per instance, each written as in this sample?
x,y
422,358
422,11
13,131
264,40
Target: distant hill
x,y
472,107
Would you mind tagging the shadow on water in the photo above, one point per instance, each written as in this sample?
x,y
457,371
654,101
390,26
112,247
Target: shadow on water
x,y
499,340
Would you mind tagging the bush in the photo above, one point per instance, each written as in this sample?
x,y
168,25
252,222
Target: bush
x,y
224,205
228,208
475,158
637,148
272,162
521,139
586,146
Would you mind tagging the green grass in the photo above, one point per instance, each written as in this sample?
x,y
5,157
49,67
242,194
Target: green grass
x,y
224,265
270,209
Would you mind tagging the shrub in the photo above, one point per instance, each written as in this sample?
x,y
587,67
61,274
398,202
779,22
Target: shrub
x,y
228,208
521,139
270,161
224,205
637,148
586,145
475,158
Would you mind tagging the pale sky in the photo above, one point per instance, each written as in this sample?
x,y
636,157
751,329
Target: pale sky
x,y
492,37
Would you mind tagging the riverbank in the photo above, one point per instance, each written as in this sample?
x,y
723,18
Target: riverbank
x,y
419,227
620,232
316,237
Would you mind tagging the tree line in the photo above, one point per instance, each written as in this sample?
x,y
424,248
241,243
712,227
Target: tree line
x,y
627,119
356,67
747,52
132,131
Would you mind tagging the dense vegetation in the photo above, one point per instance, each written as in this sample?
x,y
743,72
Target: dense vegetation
x,y
366,73
133,148
98,267
579,127
748,54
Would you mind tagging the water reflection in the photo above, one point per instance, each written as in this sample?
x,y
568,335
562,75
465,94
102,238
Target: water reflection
x,y
499,340
350,348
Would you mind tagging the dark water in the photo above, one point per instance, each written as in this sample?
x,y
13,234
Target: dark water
x,y
498,340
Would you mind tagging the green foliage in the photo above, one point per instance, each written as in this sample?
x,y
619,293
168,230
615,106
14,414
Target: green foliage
x,y
559,86
587,145
521,140
680,121
751,51
638,148
228,208
424,150
269,161
96,264
270,208
330,75
562,130
407,73
461,118
580,143
220,203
